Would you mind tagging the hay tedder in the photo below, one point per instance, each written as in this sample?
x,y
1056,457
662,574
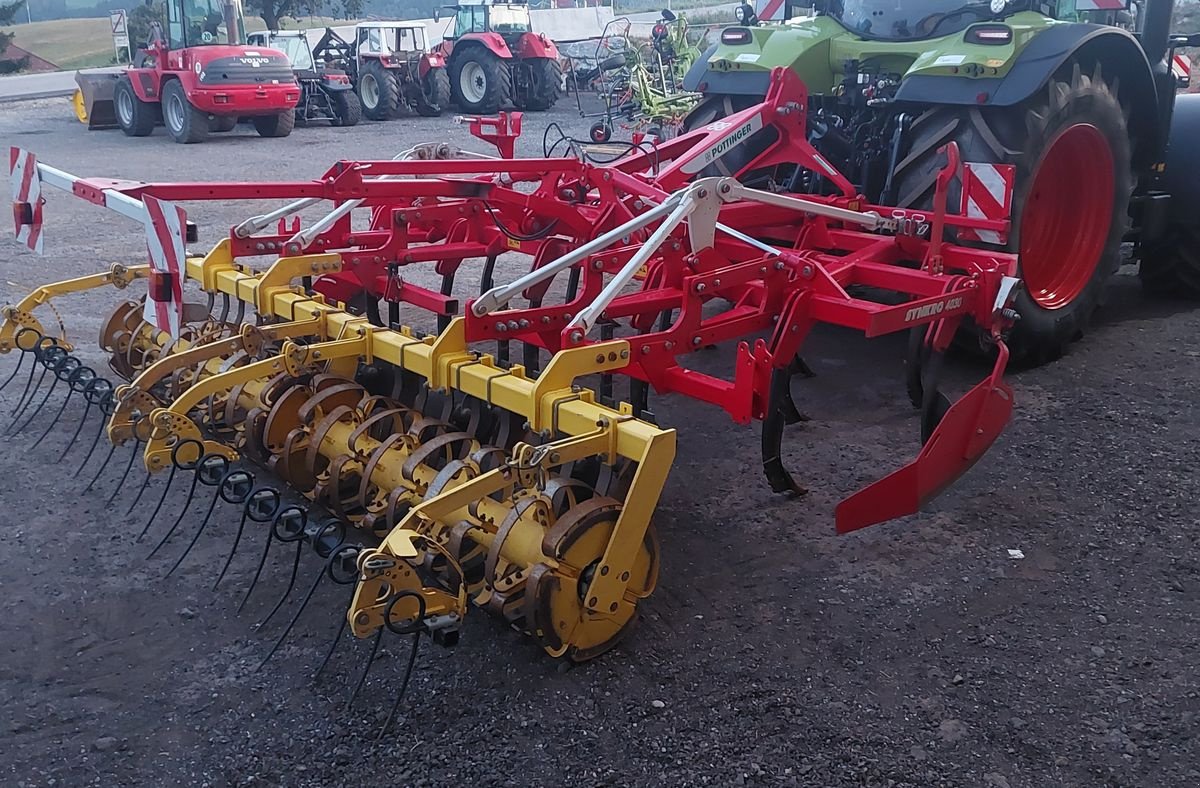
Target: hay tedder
x,y
448,474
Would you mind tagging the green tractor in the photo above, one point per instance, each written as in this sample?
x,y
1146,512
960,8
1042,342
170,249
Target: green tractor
x,y
1073,103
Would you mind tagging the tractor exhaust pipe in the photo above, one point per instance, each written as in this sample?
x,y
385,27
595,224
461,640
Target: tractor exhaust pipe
x,y
231,23
1156,29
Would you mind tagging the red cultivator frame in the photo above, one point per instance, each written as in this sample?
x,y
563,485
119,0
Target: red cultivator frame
x,y
467,476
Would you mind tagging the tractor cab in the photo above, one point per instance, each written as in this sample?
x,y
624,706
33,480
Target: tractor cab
x,y
390,40
509,20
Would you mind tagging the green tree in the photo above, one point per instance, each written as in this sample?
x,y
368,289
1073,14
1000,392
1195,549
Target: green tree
x,y
139,20
7,12
272,11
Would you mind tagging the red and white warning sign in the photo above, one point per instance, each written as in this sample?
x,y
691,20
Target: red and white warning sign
x,y
26,197
165,226
986,194
1181,67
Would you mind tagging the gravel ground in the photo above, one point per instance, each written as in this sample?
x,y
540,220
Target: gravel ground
x,y
773,652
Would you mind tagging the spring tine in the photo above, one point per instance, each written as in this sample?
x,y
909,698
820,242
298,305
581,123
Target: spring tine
x,y
88,456
229,558
24,405
287,591
36,410
140,492
28,381
234,487
111,449
362,679
252,509
187,503
83,420
332,646
287,630
298,518
257,572
13,374
162,498
343,570
54,421
412,661
196,537
137,444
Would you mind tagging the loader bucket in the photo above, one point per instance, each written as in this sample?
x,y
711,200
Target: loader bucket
x,y
93,102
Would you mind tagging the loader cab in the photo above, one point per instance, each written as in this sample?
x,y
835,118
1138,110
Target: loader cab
x,y
195,23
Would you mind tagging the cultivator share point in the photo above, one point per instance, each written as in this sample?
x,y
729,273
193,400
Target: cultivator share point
x,y
450,474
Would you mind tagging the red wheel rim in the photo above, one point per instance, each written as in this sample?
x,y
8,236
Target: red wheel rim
x,y
1067,216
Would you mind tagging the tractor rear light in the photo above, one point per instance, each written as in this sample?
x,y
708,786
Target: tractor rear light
x,y
221,98
989,34
735,35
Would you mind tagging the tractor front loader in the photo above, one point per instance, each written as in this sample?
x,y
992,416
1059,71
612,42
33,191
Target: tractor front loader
x,y
508,459
1077,106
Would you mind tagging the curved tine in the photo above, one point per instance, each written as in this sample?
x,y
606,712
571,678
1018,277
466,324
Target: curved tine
x,y
88,456
196,537
54,421
307,597
27,401
29,380
36,410
111,449
412,661
247,507
232,550
336,639
257,572
221,494
162,498
362,679
349,578
104,403
137,444
82,420
186,504
13,374
141,491
287,591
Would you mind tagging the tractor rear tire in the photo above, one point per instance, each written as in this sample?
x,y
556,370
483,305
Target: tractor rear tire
x,y
1070,203
378,91
277,125
719,107
347,110
1172,267
435,93
486,77
545,84
135,117
184,123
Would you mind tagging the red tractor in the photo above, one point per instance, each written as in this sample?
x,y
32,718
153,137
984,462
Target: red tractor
x,y
194,78
495,58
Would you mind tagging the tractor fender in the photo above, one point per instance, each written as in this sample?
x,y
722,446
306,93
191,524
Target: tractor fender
x,y
1179,176
147,83
493,42
533,45
429,62
700,79
1117,51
